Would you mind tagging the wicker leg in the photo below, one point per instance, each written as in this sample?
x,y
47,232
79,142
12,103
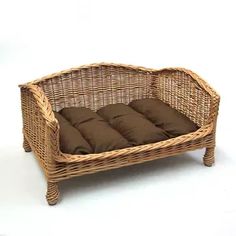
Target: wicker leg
x,y
26,145
209,157
52,195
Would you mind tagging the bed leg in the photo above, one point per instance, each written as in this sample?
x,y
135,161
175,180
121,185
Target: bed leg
x,y
209,157
26,145
52,195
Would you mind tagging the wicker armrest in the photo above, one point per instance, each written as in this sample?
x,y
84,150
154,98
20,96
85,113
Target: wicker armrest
x,y
41,129
43,104
185,91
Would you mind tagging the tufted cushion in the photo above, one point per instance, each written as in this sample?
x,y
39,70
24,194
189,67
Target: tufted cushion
x,y
131,124
163,116
98,133
71,141
117,126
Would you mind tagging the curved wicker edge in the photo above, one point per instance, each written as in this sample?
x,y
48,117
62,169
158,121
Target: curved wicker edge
x,y
203,84
215,97
43,104
87,66
47,113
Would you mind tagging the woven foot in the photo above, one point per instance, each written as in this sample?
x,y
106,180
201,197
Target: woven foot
x,y
52,195
26,145
209,157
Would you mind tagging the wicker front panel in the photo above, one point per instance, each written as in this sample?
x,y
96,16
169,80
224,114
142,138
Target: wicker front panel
x,y
69,170
96,86
35,130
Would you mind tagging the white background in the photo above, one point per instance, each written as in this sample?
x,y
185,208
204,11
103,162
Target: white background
x,y
173,196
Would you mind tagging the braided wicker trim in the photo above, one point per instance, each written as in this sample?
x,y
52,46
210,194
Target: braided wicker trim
x,y
44,105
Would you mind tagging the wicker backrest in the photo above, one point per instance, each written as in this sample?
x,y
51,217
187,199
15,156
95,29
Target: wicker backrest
x,y
95,86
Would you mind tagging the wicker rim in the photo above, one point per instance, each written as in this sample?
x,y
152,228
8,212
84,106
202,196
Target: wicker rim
x,y
203,84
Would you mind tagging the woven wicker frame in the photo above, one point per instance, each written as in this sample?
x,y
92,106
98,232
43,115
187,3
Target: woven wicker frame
x,y
97,85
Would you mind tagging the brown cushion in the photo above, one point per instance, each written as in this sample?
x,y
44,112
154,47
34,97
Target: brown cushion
x,y
112,111
131,124
163,116
71,141
99,134
78,115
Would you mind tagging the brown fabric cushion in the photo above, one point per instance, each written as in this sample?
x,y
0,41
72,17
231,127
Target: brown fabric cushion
x,y
94,129
131,124
71,141
163,116
79,115
112,111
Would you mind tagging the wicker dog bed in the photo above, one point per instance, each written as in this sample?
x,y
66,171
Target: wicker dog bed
x,y
97,85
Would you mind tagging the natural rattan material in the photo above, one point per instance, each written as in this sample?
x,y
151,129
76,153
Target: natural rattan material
x,y
97,85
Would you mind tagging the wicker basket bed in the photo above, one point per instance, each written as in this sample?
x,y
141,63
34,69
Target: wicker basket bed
x,y
97,85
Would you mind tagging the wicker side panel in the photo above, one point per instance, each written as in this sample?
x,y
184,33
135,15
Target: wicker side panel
x,y
34,128
181,92
96,86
